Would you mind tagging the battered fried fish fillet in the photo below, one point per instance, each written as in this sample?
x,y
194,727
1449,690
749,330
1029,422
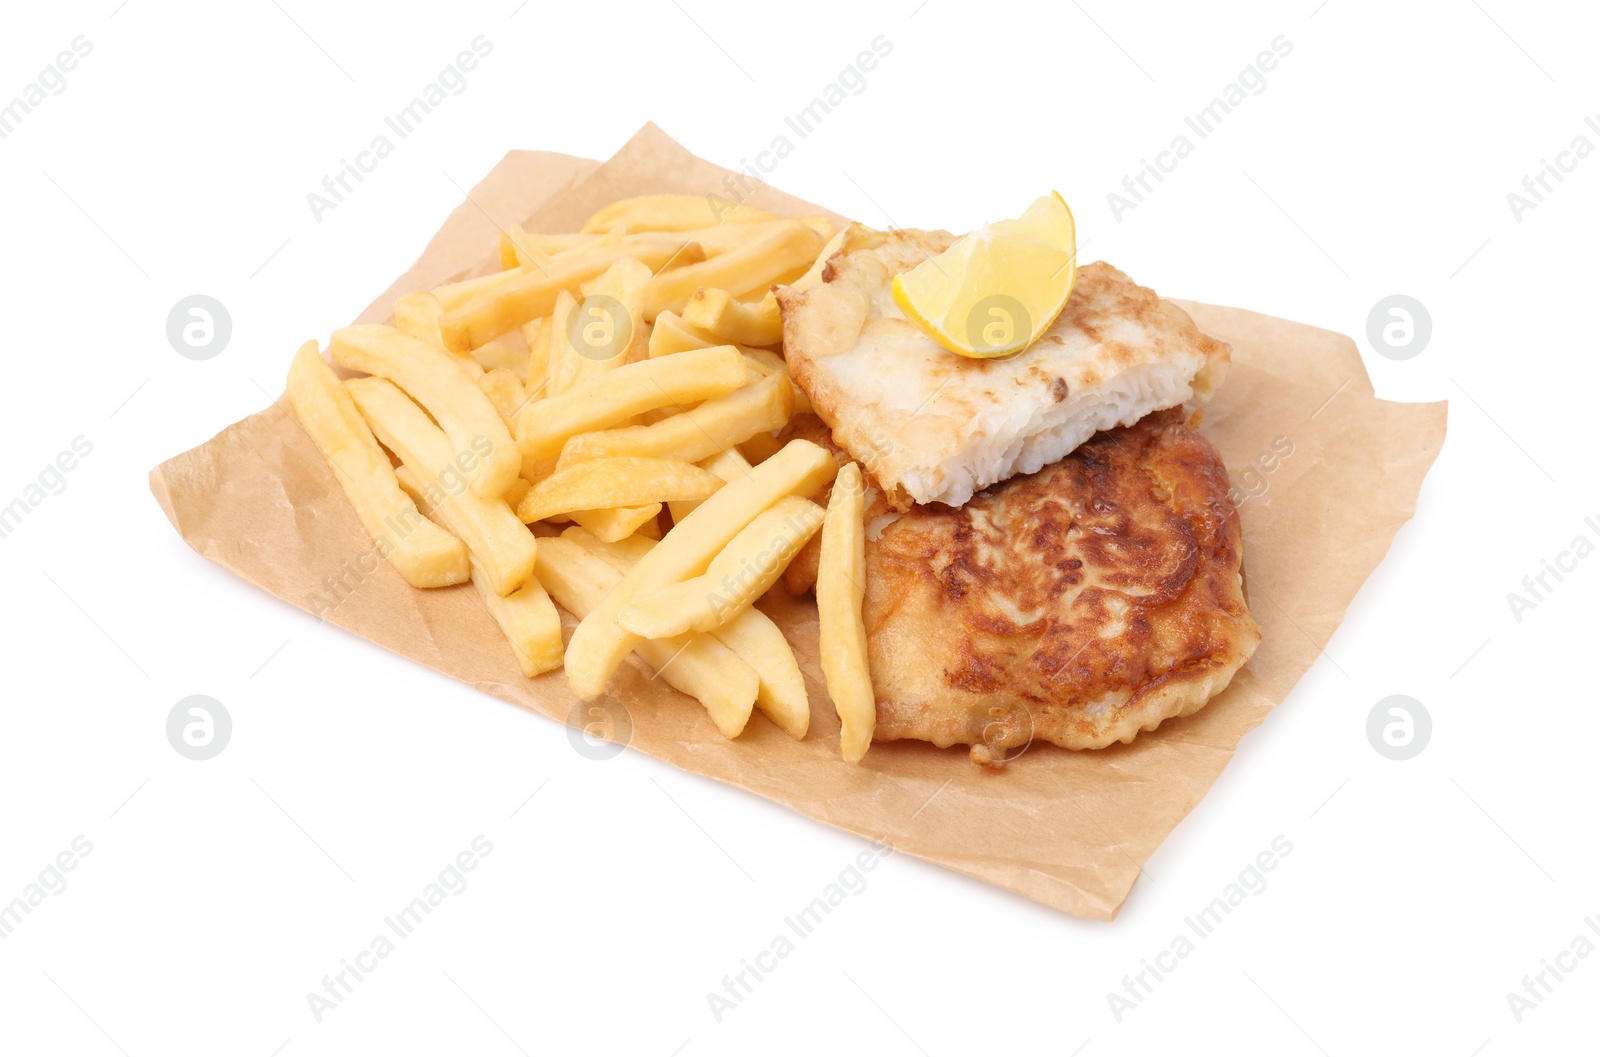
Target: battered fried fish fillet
x,y
1077,605
933,426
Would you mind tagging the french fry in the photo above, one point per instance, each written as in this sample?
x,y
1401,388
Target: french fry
x,y
841,582
501,354
544,426
747,323
752,635
525,251
422,552
556,245
504,392
591,380
527,617
698,665
801,575
618,523
695,434
743,571
599,643
601,331
789,277
454,295
821,225
759,448
657,414
624,280
508,252
610,335
765,362
520,248
532,293
671,213
537,377
559,357
497,540
671,334
418,315
813,275
426,373
619,481
739,271
621,555
781,695
724,238
529,621
728,465
565,365
612,524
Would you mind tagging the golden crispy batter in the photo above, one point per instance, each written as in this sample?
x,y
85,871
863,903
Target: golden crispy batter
x,y
934,426
1078,605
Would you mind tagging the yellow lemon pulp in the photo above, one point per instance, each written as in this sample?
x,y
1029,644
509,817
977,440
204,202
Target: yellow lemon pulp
x,y
998,288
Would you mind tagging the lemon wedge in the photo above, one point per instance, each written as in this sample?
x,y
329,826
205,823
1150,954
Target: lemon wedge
x,y
999,287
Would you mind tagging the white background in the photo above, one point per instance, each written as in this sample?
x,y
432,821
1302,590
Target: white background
x,y
1376,161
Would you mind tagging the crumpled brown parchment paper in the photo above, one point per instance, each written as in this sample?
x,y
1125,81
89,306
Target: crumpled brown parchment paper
x,y
1325,473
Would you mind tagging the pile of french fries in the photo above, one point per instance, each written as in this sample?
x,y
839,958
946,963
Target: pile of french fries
x,y
595,426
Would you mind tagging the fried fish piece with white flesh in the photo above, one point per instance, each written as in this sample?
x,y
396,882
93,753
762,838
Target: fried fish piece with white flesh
x,y
934,427
1077,605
